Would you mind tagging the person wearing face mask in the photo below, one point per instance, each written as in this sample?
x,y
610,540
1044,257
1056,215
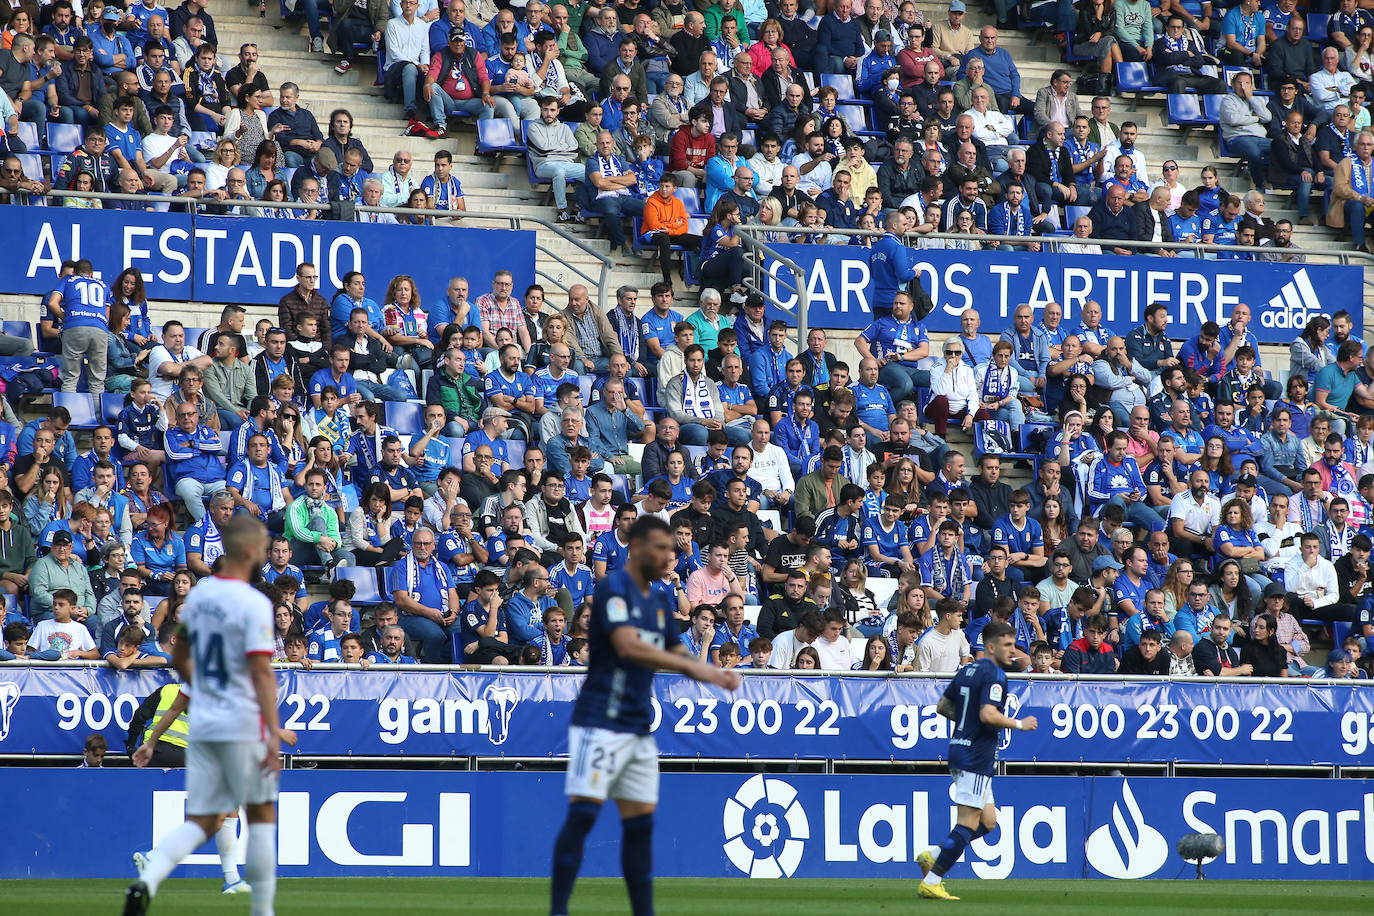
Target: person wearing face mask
x,y
876,67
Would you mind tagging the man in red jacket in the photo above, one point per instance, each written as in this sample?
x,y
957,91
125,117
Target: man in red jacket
x,y
1091,654
690,149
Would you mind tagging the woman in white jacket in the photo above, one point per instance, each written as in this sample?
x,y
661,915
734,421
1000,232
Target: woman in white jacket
x,y
991,127
955,392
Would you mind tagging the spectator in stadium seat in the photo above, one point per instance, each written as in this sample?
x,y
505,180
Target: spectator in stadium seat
x,y
1001,73
1214,655
1050,169
421,587
1134,28
1091,654
1152,222
1330,86
951,39
611,178
1243,38
1178,60
1352,194
839,41
1291,56
1292,165
1243,116
304,299
1111,219
193,459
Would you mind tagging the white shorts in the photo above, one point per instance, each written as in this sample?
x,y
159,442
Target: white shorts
x,y
605,764
973,790
221,776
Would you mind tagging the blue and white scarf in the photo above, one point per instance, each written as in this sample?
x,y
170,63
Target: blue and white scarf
x,y
696,397
412,568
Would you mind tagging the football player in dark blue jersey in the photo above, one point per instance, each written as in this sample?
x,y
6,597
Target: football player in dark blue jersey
x,y
612,754
974,701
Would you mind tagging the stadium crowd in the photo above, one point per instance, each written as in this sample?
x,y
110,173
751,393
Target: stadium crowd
x,y
1181,497
691,118
1188,512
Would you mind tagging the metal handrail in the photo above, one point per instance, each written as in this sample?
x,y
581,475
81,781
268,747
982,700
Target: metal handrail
x,y
771,672
601,282
1340,253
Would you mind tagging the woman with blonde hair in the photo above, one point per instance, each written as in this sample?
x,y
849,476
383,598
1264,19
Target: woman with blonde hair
x,y
1176,582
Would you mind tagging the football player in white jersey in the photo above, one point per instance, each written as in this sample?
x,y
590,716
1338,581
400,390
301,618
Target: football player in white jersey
x,y
227,827
233,754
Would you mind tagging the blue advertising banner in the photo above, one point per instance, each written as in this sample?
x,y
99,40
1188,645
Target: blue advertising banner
x,y
464,713
415,823
246,260
1282,297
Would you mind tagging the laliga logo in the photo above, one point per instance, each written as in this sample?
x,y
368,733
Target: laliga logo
x,y
501,702
765,828
1013,705
1127,850
9,698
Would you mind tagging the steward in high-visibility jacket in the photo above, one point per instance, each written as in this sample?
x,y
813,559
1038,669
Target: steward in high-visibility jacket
x,y
171,746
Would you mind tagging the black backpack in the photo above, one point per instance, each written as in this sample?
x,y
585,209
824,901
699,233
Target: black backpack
x,y
1095,83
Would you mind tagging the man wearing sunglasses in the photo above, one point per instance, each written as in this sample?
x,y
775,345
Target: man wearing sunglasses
x,y
15,186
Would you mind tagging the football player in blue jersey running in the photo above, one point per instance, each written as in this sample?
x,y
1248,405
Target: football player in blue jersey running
x,y
612,754
974,701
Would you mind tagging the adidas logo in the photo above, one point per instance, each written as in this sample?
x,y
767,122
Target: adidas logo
x,y
1295,304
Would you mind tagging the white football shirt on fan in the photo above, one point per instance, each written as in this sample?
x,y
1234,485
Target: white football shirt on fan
x,y
228,620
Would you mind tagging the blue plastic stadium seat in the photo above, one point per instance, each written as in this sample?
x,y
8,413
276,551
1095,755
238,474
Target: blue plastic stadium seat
x,y
854,116
82,407
515,448
1187,110
1317,27
1211,109
364,578
495,135
1135,77
406,417
32,164
21,329
111,403
28,133
63,138
842,83
691,200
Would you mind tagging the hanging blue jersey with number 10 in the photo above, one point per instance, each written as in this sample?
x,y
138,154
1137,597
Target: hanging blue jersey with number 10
x,y
973,746
618,693
85,302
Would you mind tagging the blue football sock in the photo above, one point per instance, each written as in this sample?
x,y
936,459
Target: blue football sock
x,y
567,853
637,862
982,831
952,848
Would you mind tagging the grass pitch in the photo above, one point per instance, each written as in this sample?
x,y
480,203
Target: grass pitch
x,y
697,896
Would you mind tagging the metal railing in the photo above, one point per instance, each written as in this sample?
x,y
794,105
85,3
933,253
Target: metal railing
x,y
600,283
758,251
772,672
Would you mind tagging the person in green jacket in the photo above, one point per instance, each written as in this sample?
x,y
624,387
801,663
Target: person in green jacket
x,y
16,548
312,526
456,391
722,9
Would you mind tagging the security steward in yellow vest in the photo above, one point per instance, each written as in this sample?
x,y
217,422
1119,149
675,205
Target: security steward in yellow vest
x,y
170,750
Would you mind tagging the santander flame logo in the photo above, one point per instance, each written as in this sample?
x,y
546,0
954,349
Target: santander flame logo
x,y
1127,847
